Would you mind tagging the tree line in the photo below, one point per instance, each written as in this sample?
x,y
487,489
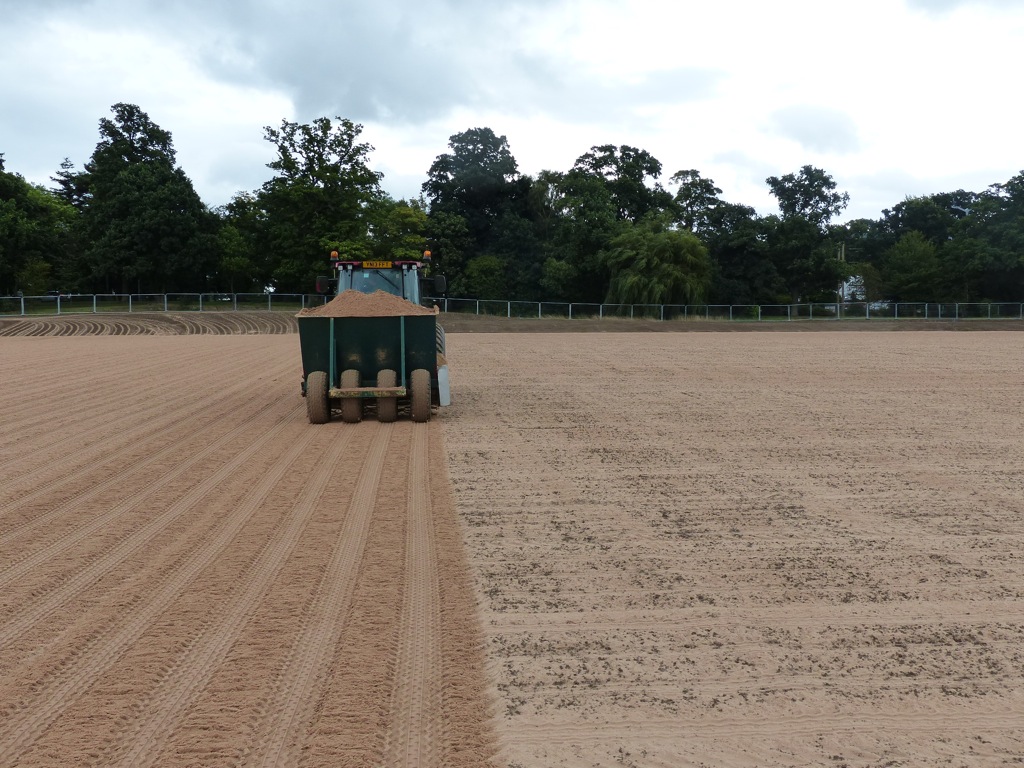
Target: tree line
x,y
612,228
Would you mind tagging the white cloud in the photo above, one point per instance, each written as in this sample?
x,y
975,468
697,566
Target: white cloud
x,y
879,93
818,129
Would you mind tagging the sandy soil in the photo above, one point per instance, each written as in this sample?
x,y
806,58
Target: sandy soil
x,y
205,323
747,549
714,549
191,574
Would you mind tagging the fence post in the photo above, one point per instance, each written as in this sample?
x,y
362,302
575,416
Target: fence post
x,y
662,313
730,313
630,311
600,311
58,303
570,310
759,313
789,312
508,309
478,306
129,303
956,311
990,310
810,311
22,304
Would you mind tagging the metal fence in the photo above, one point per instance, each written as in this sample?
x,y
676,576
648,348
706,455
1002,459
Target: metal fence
x,y
66,304
742,312
275,302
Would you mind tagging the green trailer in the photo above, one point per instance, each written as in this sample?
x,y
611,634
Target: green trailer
x,y
386,363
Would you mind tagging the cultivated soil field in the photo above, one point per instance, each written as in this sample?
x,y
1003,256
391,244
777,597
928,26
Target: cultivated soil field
x,y
648,549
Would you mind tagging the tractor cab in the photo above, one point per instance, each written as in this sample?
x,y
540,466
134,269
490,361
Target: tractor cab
x,y
402,278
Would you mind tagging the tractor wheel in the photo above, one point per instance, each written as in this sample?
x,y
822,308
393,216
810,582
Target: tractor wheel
x,y
351,407
318,407
420,394
387,407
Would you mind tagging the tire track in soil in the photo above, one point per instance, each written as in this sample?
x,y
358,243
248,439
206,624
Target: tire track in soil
x,y
194,669
223,403
108,414
30,719
34,416
283,728
160,668
15,625
416,702
160,324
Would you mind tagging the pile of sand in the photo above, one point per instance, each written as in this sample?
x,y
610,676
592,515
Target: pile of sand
x,y
357,304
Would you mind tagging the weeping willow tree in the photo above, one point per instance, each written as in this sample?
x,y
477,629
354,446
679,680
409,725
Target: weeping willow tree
x,y
651,263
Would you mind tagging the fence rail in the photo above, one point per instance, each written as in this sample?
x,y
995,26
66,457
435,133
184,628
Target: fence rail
x,y
98,303
743,312
274,302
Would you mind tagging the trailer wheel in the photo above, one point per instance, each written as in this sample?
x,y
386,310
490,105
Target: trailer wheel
x,y
420,395
318,408
351,407
387,407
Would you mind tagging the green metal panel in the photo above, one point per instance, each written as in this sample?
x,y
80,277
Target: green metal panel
x,y
368,344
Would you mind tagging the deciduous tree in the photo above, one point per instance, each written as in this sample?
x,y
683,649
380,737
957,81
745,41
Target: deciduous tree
x,y
631,176
809,194
144,226
650,263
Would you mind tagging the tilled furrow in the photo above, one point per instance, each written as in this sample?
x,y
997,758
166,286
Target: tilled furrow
x,y
52,600
115,451
282,734
194,669
31,718
416,705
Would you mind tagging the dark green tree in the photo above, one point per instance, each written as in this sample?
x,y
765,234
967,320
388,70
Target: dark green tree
x,y
143,226
651,263
479,200
451,247
581,219
864,243
805,260
695,200
910,269
626,172
983,259
323,196
36,237
742,271
478,180
485,278
924,215
800,243
399,229
809,194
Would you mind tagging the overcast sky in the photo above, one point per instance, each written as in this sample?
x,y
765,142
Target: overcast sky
x,y
892,97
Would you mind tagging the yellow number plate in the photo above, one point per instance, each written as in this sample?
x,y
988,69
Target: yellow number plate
x,y
376,265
